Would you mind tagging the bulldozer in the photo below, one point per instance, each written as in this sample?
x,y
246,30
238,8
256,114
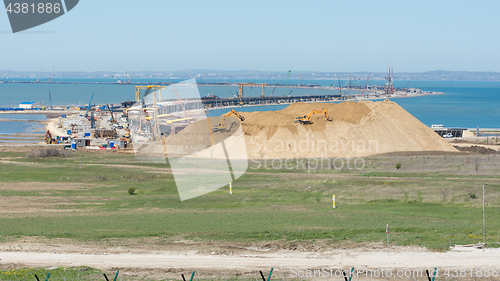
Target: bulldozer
x,y
306,120
221,126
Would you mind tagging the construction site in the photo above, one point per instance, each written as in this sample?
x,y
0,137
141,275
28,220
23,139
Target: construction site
x,y
161,111
261,186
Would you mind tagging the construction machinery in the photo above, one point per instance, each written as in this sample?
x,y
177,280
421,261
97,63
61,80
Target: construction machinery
x,y
48,138
38,80
306,120
130,77
51,75
221,126
88,108
50,97
240,88
112,120
389,84
286,86
366,84
92,120
148,88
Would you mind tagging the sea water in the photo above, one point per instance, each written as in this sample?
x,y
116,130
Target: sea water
x,y
464,104
21,123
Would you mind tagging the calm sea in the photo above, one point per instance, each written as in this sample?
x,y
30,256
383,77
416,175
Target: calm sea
x,y
21,123
465,104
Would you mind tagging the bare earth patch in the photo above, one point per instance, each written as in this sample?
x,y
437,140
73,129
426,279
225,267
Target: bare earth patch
x,y
157,255
37,186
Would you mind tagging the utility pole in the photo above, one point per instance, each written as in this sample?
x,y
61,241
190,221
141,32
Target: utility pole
x,y
484,228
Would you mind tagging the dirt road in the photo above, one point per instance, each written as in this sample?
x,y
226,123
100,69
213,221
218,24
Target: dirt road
x,y
401,258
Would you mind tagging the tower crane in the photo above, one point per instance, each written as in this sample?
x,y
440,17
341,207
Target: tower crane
x,y
286,86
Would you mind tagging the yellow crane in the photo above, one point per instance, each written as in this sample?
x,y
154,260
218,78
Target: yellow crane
x,y
147,88
306,120
221,126
240,87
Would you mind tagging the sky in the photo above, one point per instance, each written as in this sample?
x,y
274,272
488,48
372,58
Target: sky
x,y
329,36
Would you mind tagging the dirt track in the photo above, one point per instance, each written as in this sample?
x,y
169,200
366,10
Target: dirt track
x,y
399,258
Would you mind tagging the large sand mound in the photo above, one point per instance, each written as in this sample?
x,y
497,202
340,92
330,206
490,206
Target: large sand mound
x,y
358,129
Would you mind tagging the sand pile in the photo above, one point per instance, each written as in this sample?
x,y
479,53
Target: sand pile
x,y
358,129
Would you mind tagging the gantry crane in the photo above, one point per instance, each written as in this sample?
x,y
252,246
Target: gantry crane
x,y
148,88
240,87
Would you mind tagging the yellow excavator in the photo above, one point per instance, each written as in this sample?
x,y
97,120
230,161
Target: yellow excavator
x,y
306,120
221,126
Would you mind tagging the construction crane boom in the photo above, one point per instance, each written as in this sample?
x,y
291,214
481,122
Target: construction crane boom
x,y
273,91
38,80
406,86
180,100
286,86
348,79
88,108
113,120
131,74
50,79
366,84
50,97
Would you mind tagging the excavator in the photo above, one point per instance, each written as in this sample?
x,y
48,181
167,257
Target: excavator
x,y
220,126
306,120
48,138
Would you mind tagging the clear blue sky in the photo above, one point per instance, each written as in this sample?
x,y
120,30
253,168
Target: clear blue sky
x,y
344,36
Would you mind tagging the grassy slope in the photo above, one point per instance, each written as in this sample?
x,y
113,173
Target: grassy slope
x,y
429,202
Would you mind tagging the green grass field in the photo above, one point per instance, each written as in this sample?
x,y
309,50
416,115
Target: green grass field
x,y
431,201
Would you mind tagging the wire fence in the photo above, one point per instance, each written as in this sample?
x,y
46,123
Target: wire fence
x,y
259,275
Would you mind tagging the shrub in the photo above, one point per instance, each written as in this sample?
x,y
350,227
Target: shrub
x,y
47,152
398,166
131,191
472,195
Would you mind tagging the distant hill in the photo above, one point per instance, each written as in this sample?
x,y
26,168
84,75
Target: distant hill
x,y
270,76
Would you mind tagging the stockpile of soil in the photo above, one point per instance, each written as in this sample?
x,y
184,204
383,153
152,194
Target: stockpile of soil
x,y
477,149
357,129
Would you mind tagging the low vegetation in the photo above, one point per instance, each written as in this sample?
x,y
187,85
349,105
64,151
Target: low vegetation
x,y
431,202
